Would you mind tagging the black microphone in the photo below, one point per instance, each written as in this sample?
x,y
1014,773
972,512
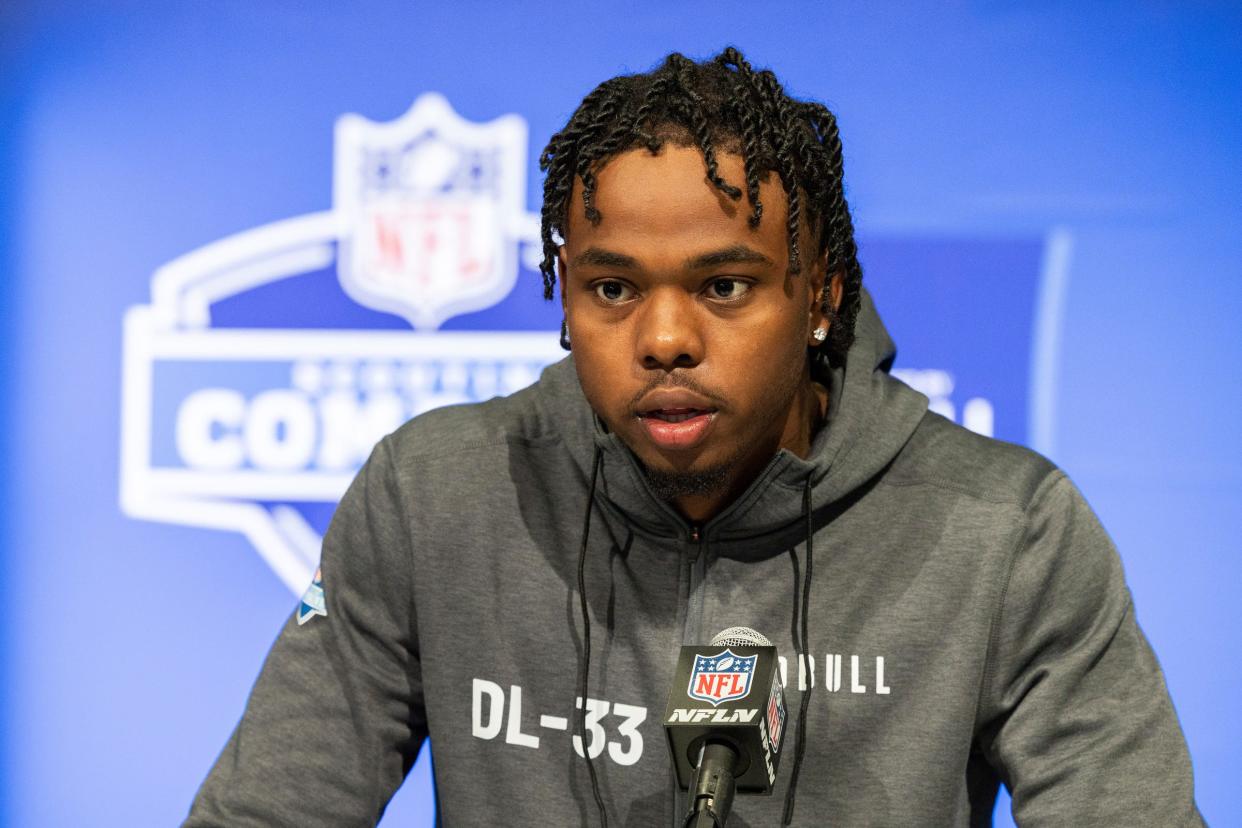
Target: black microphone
x,y
724,722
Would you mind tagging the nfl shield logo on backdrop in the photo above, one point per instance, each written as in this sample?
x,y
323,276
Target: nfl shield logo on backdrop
x,y
433,208
721,677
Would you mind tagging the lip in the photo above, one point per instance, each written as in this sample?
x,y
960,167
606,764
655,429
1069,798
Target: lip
x,y
673,399
675,419
682,434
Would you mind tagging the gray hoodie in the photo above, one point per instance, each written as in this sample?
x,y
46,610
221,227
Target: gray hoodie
x,y
969,624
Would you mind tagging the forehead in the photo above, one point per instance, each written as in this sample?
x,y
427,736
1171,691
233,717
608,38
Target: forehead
x,y
664,203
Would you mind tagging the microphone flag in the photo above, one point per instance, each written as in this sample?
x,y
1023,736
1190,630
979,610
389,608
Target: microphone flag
x,y
729,694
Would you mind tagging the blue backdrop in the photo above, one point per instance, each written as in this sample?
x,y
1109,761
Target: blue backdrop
x,y
1047,197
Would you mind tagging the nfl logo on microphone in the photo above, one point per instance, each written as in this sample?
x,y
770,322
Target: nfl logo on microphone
x,y
776,715
721,677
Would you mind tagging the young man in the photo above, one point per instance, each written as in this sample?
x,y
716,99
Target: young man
x,y
724,447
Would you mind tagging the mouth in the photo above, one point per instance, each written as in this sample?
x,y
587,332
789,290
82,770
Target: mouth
x,y
676,415
677,428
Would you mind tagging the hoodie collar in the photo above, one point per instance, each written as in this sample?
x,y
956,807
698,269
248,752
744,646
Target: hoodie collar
x,y
871,417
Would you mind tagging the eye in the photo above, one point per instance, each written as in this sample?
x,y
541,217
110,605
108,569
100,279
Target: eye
x,y
725,288
614,292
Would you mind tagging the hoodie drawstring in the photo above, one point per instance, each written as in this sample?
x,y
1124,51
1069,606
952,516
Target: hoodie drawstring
x,y
584,660
804,647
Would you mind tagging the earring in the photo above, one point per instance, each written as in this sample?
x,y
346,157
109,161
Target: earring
x,y
819,334
565,334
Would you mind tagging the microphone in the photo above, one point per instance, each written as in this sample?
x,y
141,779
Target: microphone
x,y
724,722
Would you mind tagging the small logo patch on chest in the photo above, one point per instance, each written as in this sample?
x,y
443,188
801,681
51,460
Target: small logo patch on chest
x,y
313,602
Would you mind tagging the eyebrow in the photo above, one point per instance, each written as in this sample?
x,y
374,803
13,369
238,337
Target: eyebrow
x,y
734,254
603,258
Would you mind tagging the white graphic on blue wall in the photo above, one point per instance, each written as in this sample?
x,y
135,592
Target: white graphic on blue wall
x,y
267,364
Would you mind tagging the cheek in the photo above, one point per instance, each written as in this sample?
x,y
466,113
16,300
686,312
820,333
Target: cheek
x,y
599,373
772,345
768,367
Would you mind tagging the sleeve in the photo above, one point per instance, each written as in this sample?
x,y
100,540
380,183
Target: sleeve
x,y
336,717
1075,714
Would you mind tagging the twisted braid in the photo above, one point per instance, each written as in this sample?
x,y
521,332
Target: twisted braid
x,y
718,105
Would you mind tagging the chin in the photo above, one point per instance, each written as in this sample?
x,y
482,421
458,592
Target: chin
x,y
689,461
698,482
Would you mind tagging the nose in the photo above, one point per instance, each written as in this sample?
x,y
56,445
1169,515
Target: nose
x,y
669,332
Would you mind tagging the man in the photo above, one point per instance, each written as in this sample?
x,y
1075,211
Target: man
x,y
725,447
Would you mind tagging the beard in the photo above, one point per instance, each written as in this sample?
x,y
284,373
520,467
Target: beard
x,y
670,486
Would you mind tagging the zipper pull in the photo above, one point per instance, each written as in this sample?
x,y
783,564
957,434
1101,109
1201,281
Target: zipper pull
x,y
694,543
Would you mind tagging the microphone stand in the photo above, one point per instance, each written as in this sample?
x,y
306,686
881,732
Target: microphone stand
x,y
713,786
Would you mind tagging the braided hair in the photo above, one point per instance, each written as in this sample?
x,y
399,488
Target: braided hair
x,y
719,105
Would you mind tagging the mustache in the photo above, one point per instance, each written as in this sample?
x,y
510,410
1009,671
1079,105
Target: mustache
x,y
676,379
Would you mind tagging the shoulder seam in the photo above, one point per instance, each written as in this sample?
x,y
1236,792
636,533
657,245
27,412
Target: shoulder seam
x,y
998,612
403,514
942,483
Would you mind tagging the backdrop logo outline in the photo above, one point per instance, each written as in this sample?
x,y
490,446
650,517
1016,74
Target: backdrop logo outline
x,y
173,336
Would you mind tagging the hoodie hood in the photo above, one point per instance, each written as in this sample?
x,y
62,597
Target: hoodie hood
x,y
871,417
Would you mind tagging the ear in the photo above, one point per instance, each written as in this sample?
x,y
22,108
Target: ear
x,y
836,289
820,287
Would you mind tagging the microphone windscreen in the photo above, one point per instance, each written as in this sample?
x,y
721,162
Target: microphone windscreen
x,y
740,637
